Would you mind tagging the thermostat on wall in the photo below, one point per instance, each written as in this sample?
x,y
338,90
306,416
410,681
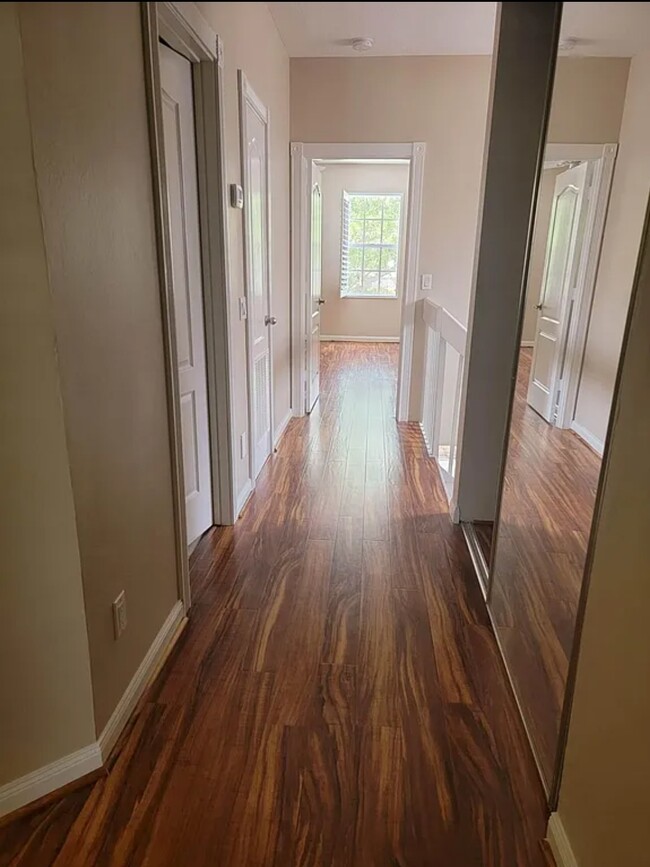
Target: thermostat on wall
x,y
236,196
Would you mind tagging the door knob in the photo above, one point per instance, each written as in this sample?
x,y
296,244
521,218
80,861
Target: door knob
x,y
538,306
270,320
321,300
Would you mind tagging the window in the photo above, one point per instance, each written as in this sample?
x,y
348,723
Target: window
x,y
370,245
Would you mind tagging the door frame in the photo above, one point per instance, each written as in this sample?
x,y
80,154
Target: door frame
x,y
574,336
248,98
302,154
183,27
309,300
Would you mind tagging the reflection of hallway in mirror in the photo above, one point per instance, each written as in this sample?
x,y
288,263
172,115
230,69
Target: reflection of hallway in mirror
x,y
549,492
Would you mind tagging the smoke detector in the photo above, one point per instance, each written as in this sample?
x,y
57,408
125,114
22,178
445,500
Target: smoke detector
x,y
363,43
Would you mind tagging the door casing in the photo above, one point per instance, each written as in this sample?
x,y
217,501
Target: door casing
x,y
311,312
186,31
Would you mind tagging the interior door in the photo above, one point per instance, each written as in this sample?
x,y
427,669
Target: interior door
x,y
558,288
257,256
315,289
187,287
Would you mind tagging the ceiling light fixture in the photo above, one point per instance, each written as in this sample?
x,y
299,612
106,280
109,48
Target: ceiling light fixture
x,y
363,43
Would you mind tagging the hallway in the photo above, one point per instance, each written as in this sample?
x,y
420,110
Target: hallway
x,y
337,697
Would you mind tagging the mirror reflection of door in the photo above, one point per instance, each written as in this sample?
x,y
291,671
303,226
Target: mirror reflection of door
x,y
315,300
555,303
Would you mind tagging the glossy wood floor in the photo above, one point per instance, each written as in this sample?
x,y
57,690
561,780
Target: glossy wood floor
x,y
337,697
549,494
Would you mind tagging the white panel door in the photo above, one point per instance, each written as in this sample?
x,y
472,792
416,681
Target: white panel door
x,y
182,193
257,260
558,287
315,286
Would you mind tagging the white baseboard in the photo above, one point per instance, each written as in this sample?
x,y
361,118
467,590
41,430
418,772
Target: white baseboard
x,y
559,842
596,444
527,344
140,681
347,338
280,429
33,786
242,497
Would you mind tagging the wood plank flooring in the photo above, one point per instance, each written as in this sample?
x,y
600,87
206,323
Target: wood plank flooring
x,y
550,486
337,697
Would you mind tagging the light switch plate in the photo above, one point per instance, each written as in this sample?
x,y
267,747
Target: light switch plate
x,y
426,282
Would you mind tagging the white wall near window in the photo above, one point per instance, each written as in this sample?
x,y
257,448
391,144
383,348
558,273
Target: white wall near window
x,y
357,317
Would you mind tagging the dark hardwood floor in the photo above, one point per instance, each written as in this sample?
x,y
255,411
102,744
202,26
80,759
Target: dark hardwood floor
x,y
337,697
551,478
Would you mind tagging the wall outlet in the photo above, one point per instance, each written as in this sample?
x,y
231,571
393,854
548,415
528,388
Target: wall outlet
x,y
243,309
119,615
243,445
426,282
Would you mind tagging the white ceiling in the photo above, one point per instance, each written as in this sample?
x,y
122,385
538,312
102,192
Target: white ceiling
x,y
327,29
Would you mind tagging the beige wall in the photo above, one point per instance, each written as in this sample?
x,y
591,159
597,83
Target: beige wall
x,y
367,317
538,252
252,43
443,101
604,803
588,97
618,258
91,151
47,709
440,100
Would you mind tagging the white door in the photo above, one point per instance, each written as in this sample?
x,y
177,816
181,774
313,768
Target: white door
x,y
315,287
182,195
558,288
256,192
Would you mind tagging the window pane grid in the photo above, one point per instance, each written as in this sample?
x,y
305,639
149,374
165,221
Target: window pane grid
x,y
371,251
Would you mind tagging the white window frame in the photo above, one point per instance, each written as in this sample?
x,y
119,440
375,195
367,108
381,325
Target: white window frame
x,y
398,269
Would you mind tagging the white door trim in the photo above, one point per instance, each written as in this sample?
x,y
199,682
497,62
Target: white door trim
x,y
185,29
576,337
248,97
301,156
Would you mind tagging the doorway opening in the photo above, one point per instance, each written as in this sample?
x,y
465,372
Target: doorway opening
x,y
355,244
